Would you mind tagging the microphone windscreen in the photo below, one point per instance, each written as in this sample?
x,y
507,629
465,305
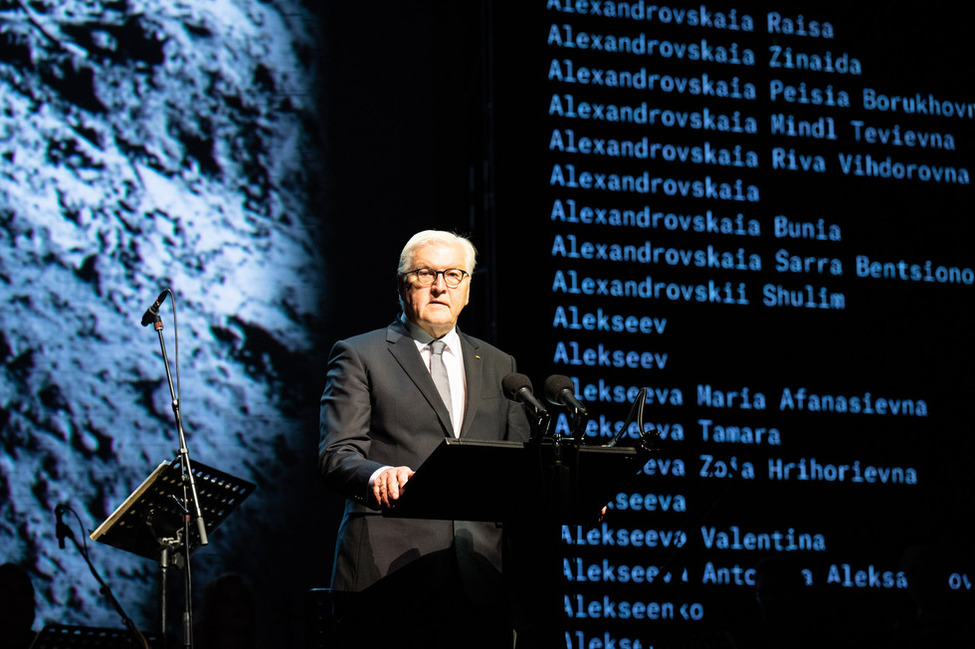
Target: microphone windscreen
x,y
512,383
554,386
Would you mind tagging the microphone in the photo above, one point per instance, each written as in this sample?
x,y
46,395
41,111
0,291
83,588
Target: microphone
x,y
153,310
62,530
560,391
518,387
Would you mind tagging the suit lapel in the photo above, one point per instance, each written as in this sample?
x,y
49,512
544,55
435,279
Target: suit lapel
x,y
404,350
473,366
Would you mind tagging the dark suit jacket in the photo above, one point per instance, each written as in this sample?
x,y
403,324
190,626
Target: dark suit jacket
x,y
381,407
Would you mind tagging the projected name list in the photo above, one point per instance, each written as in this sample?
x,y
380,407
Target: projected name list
x,y
671,129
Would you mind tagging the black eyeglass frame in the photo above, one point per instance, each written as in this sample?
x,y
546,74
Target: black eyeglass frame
x,y
436,273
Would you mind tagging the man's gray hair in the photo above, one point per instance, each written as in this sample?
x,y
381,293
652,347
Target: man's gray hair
x,y
428,237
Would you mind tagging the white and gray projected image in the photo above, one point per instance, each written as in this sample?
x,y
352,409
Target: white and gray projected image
x,y
147,144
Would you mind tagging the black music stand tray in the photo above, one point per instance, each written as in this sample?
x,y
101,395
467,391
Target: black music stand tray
x,y
62,636
154,511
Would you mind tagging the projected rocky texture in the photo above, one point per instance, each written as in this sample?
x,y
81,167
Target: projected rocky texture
x,y
146,144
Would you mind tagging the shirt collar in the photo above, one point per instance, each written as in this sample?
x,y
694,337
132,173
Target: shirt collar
x,y
452,338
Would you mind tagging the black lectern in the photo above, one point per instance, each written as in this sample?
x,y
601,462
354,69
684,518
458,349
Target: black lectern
x,y
533,488
569,481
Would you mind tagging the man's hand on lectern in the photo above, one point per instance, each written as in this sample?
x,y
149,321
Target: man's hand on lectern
x,y
388,486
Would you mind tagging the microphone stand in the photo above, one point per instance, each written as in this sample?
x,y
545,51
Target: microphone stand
x,y
579,419
64,532
190,496
538,421
648,438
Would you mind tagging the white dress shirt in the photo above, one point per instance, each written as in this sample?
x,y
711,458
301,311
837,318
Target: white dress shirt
x,y
453,359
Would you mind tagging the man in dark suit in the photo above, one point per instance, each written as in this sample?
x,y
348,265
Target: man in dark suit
x,y
391,396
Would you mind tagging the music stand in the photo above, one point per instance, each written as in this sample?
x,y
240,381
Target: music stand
x,y
153,520
63,636
154,511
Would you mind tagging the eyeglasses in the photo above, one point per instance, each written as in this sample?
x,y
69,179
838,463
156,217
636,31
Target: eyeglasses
x,y
452,277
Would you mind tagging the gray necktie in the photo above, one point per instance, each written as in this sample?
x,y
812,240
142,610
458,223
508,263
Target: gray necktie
x,y
439,371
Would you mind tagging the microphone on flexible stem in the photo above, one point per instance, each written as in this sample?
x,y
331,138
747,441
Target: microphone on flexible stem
x,y
560,391
518,387
62,530
153,310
